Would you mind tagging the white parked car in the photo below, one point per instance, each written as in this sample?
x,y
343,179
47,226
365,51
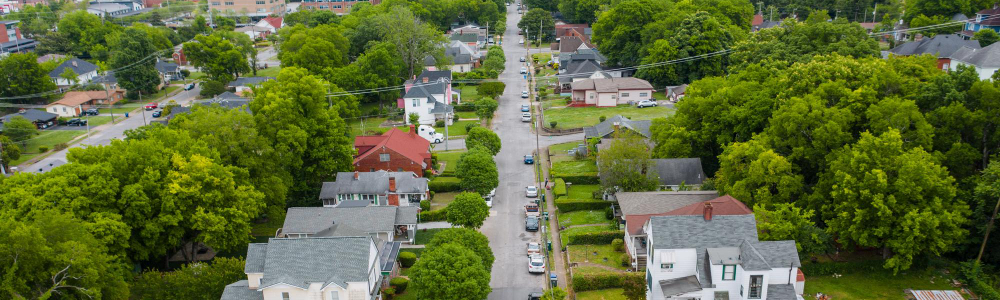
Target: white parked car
x,y
525,117
531,191
489,198
523,59
646,103
524,94
524,70
521,42
534,249
536,264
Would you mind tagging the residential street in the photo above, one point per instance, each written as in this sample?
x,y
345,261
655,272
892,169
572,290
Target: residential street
x,y
102,135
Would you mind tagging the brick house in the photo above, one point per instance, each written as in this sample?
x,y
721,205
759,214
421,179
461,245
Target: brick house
x,y
393,151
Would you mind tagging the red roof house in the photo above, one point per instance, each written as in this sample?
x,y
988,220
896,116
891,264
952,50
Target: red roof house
x,y
393,151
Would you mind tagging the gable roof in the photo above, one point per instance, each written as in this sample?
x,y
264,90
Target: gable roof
x,y
988,57
612,85
429,61
241,290
78,65
32,115
410,145
942,45
166,67
274,21
579,69
466,37
330,260
992,12
606,128
725,205
373,183
255,258
433,76
637,207
75,98
674,171
362,220
571,44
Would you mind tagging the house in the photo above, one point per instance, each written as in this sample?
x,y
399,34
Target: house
x,y
41,119
575,71
84,71
579,30
676,93
460,62
393,151
226,100
677,172
50,57
429,96
244,84
75,102
470,39
609,92
943,46
713,256
570,44
254,32
469,28
271,23
352,218
376,188
108,80
604,129
179,56
988,19
310,268
985,60
12,41
110,9
168,71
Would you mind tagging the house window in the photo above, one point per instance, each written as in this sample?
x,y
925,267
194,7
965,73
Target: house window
x,y
591,96
229,3
728,272
260,10
416,102
215,3
284,296
260,2
643,94
667,261
334,295
624,94
614,96
384,157
756,285
322,7
667,267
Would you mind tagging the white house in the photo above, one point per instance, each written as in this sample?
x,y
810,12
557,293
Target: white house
x,y
379,188
318,268
84,71
430,97
718,257
986,60
609,92
352,218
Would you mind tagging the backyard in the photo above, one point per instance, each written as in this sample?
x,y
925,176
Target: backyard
x,y
604,256
269,72
441,200
424,236
577,117
448,160
583,167
878,283
608,294
564,234
48,139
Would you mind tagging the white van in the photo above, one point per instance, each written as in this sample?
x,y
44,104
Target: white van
x,y
430,134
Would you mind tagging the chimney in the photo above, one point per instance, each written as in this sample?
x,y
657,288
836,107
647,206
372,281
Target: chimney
x,y
74,63
413,129
392,184
355,175
425,79
708,211
616,125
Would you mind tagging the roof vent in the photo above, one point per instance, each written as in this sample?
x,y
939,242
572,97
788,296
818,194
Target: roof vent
x,y
74,63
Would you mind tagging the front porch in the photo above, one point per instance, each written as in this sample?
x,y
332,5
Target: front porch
x,y
404,233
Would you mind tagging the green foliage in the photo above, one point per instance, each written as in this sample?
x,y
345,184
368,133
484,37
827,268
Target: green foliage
x,y
379,66
559,189
400,283
555,293
450,272
986,37
581,11
495,60
785,221
626,164
595,238
414,118
407,259
492,89
922,21
221,59
84,33
634,287
830,268
19,129
468,238
531,21
485,108
700,34
469,210
11,151
618,30
799,41
69,75
477,171
553,124
444,184
320,49
43,149
755,174
972,275
483,137
132,49
212,88
984,199
20,75
433,215
414,39
590,282
618,245
192,281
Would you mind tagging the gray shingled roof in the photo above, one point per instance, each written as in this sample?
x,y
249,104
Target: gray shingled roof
x,y
373,183
778,254
241,290
255,258
331,260
371,219
674,171
781,292
166,67
750,258
465,37
427,90
942,45
32,115
429,61
441,108
646,203
78,65
988,57
604,129
579,69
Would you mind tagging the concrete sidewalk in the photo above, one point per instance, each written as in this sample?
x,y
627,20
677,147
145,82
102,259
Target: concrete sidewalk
x,y
558,258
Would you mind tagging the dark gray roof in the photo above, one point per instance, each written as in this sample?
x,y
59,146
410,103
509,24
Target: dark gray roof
x,y
674,171
604,129
462,59
32,115
778,254
427,90
166,67
441,108
959,17
370,219
373,183
942,45
433,76
579,69
679,286
245,81
78,65
750,258
389,253
107,78
645,203
331,260
781,292
466,37
255,258
241,290
18,46
353,203
988,57
430,61
766,25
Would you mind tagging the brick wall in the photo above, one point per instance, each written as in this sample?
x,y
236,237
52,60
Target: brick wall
x,y
396,162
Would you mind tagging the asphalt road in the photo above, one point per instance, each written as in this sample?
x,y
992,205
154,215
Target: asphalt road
x,y
104,134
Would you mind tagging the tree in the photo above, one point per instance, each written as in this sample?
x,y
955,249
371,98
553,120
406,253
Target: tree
x,y
872,200
69,75
984,205
936,8
320,49
134,50
199,280
469,210
49,254
698,35
785,221
477,171
902,116
986,37
485,108
626,164
450,272
752,172
531,21
413,38
922,21
581,11
85,33
491,89
551,6
293,113
617,32
555,293
219,58
414,118
200,25
9,151
21,75
795,41
483,137
19,129
468,238
634,288
378,67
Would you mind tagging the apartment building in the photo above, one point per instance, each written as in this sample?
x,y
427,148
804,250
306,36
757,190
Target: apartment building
x,y
339,7
250,8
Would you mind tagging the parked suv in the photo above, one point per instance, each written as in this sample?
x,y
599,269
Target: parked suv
x,y
531,223
76,122
90,112
646,103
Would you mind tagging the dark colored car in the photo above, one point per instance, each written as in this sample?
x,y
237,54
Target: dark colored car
x,y
189,87
156,114
91,112
528,159
531,223
76,122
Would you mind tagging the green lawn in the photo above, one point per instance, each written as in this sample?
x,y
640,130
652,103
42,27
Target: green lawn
x,y
469,93
582,191
441,200
159,94
881,284
269,72
449,159
562,148
196,75
589,270
410,294
574,167
47,138
660,95
582,217
467,115
597,254
608,294
424,235
98,120
267,228
456,129
369,124
564,235
119,110
576,117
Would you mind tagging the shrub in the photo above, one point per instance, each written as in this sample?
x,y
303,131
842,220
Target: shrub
x,y
61,146
400,283
569,205
454,118
618,245
43,149
466,106
185,73
389,292
469,126
830,268
553,124
433,215
972,274
439,123
602,281
602,118
430,195
609,213
626,261
425,205
428,173
579,179
442,184
595,238
560,187
407,259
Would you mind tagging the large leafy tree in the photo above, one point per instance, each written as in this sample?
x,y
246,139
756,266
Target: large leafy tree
x,y
581,11
450,272
21,75
9,151
483,137
19,129
617,32
986,37
551,6
378,67
806,130
201,281
753,173
698,35
626,164
414,39
983,203
532,20
469,210
468,238
799,41
492,89
305,128
881,194
477,171
134,57
485,108
219,58
86,33
785,221
319,49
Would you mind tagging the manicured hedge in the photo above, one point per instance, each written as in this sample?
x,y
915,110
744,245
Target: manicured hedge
x,y
560,187
595,238
972,275
602,281
579,179
433,215
399,283
407,259
443,184
569,205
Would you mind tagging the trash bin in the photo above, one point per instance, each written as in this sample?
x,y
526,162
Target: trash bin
x,y
126,115
543,197
546,215
550,245
553,280
537,201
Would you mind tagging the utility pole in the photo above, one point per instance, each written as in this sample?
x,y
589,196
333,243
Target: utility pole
x,y
107,95
837,15
875,12
989,226
865,16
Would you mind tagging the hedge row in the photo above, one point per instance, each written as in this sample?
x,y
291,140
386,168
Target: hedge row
x,y
593,282
972,274
579,179
444,184
433,215
569,205
560,187
830,268
595,238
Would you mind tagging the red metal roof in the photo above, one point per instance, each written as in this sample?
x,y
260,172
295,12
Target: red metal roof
x,y
725,205
410,145
274,21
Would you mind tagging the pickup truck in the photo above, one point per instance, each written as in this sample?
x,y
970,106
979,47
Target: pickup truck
x,y
531,209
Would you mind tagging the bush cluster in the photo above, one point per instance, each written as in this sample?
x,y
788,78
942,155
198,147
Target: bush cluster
x,y
560,187
443,184
406,260
400,283
972,275
578,179
433,215
593,282
569,205
595,238
830,268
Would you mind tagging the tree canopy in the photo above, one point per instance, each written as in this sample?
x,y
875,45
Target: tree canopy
x,y
469,210
468,238
626,164
477,171
483,137
450,272
21,75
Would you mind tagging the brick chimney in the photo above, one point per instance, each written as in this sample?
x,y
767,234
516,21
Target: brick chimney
x,y
708,211
392,184
355,175
413,129
425,79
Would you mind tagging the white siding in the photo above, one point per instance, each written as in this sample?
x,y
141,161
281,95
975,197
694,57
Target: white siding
x,y
633,95
607,99
253,279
